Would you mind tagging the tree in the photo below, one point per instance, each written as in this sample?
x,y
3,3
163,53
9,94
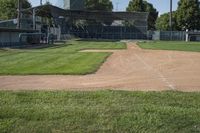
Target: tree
x,y
8,8
188,15
144,6
47,3
162,23
136,5
99,5
153,15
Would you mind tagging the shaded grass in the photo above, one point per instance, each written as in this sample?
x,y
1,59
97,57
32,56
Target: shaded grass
x,y
58,59
169,45
101,111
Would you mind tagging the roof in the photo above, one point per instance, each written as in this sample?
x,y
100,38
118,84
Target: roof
x,y
56,12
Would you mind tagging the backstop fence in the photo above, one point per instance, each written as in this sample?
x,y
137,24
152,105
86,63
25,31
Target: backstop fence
x,y
96,24
109,32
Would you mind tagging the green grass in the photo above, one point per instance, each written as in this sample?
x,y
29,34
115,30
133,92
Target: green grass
x,y
169,45
101,111
57,59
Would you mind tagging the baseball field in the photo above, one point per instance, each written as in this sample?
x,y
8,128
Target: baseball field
x,y
101,86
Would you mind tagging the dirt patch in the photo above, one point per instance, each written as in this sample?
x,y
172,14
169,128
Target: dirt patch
x,y
132,69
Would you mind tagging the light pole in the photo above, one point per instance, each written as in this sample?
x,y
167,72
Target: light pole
x,y
117,5
18,14
170,19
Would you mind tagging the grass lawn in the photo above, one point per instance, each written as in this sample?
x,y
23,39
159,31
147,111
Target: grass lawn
x,y
171,45
57,59
101,111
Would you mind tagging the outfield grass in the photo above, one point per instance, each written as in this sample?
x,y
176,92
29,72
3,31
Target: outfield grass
x,y
101,111
57,59
171,45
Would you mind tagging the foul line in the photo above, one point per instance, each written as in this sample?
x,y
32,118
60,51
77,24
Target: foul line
x,y
160,75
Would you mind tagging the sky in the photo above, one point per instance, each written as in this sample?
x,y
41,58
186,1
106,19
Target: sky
x,y
120,5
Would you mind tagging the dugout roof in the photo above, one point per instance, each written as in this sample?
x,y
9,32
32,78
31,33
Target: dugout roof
x,y
55,12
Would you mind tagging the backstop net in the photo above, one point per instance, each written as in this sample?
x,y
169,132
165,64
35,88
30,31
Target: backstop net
x,y
96,24
107,25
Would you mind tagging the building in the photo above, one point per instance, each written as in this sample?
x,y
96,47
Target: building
x,y
74,4
50,22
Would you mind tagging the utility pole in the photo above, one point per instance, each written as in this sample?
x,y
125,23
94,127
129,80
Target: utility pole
x,y
34,21
18,14
40,2
170,19
117,6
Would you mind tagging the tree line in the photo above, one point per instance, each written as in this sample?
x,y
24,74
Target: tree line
x,y
187,16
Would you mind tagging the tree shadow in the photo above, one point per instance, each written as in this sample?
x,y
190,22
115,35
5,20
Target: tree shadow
x,y
98,40
36,46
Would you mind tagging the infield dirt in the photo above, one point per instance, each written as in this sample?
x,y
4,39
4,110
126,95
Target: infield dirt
x,y
133,69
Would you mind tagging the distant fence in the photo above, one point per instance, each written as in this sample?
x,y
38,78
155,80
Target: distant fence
x,y
168,35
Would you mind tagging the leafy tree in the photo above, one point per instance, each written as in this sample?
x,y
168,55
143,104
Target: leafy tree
x,y
8,8
47,3
102,5
188,14
144,6
162,23
153,15
136,5
99,5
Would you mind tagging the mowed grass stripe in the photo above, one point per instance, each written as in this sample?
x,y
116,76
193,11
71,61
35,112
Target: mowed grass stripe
x,y
58,59
101,111
46,63
171,45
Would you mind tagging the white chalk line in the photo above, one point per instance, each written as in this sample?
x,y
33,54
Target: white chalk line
x,y
160,75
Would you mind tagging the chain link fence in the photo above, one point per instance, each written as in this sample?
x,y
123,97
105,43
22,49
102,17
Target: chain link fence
x,y
167,35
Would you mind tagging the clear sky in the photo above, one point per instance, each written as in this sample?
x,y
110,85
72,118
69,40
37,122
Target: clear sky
x,y
161,5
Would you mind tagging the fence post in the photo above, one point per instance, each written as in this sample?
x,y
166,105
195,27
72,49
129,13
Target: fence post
x,y
187,35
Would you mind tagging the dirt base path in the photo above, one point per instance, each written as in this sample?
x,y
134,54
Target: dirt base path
x,y
132,69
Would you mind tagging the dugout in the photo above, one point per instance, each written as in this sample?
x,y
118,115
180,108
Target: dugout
x,y
10,37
